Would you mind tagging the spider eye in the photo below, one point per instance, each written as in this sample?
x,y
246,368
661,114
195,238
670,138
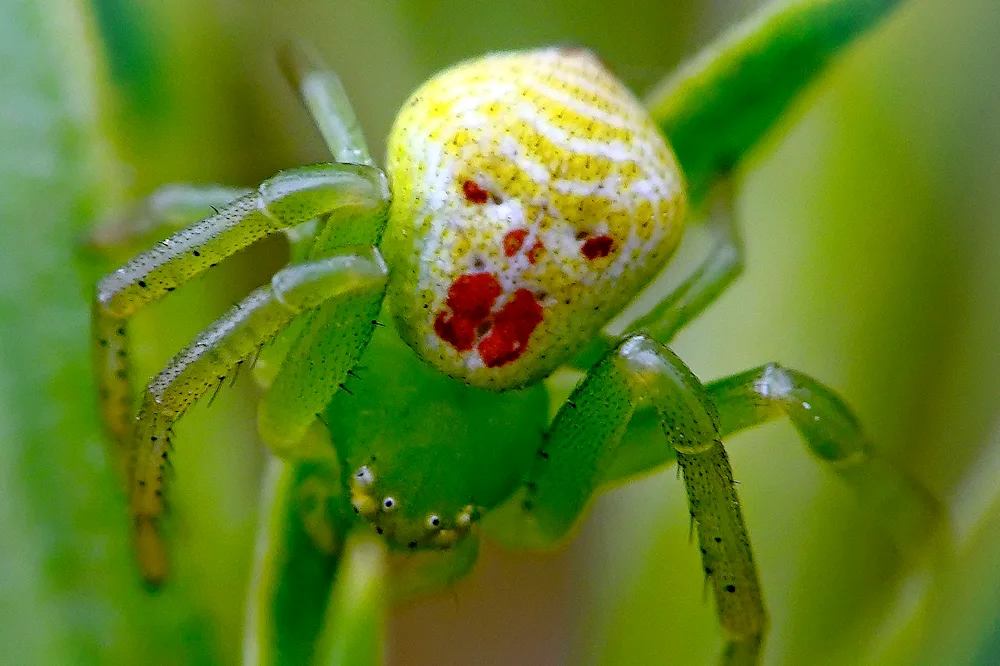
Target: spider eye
x,y
364,477
467,515
388,504
433,521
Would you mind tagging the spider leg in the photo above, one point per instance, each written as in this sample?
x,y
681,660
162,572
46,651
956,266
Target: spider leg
x,y
717,271
580,449
286,200
832,433
310,361
323,95
591,444
212,356
321,352
166,210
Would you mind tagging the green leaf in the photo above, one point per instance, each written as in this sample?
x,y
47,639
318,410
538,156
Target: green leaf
x,y
719,104
69,591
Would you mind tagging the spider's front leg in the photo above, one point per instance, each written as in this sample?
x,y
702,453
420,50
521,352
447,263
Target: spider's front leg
x,y
291,198
582,445
586,441
216,353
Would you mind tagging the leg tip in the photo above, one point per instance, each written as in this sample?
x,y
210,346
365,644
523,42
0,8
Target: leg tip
x,y
151,552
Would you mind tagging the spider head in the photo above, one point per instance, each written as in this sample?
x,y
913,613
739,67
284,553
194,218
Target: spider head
x,y
533,197
430,530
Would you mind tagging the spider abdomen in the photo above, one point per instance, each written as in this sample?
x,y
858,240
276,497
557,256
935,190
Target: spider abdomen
x,y
532,198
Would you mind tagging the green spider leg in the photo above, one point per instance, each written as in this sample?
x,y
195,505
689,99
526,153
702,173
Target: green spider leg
x,y
311,360
717,271
289,199
300,607
606,433
217,353
169,208
335,270
584,442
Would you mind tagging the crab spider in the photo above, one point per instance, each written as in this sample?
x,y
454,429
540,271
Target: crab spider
x,y
527,199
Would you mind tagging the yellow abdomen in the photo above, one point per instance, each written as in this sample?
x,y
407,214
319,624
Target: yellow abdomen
x,y
532,197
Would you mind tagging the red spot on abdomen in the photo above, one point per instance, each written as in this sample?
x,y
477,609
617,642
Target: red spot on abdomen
x,y
473,295
596,247
512,327
535,250
470,298
456,331
513,241
474,193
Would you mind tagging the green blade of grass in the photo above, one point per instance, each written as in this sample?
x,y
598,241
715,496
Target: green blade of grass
x,y
68,589
720,103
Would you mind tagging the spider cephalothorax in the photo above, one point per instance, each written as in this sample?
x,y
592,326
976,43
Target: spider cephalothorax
x,y
532,196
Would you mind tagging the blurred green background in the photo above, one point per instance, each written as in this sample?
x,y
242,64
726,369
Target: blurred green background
x,y
872,227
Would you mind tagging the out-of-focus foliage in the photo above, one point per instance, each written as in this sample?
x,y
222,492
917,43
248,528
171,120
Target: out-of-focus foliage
x,y
873,237
68,591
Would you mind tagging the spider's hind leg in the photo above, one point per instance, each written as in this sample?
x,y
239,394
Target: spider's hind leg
x,y
907,512
322,93
585,450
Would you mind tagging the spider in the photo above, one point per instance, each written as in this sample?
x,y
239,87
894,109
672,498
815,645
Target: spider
x,y
527,199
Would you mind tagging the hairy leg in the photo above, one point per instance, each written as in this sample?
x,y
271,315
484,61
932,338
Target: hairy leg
x,y
642,383
215,354
581,447
169,208
831,432
166,210
321,92
288,199
310,361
